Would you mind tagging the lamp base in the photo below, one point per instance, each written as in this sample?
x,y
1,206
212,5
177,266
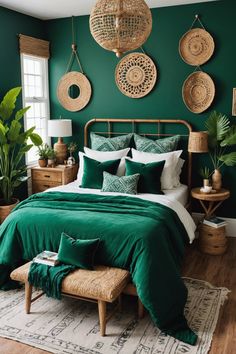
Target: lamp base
x,y
61,151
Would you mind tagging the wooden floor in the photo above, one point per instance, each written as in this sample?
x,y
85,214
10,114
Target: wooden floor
x,y
218,270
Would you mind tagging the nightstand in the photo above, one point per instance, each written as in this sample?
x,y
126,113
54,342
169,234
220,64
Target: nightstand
x,y
211,240
48,177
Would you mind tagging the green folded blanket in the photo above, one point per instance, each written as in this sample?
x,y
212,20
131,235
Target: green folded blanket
x,y
48,278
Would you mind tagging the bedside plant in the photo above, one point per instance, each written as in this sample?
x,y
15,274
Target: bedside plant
x,y
43,155
220,136
51,157
13,146
205,174
71,148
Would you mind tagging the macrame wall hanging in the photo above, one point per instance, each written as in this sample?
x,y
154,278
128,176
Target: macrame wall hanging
x,y
196,47
74,89
136,75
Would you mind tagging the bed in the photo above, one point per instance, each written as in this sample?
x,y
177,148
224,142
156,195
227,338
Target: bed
x,y
143,233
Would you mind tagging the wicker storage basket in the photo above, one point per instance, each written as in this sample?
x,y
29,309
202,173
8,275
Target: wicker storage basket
x,y
212,240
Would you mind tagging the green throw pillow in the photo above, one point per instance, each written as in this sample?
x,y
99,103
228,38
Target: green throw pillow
x,y
156,146
77,252
125,184
101,143
150,175
93,172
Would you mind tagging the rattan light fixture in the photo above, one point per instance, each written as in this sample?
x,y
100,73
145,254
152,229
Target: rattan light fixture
x,y
120,25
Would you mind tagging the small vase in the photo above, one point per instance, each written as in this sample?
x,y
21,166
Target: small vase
x,y
206,182
42,162
217,180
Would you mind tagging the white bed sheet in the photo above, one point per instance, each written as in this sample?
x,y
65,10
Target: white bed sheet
x,y
166,200
180,193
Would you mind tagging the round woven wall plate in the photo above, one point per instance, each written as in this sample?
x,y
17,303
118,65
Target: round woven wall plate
x,y
196,46
68,80
136,75
198,92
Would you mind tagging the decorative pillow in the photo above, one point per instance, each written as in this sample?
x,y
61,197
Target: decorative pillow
x,y
101,143
93,172
156,146
102,156
169,171
77,252
150,175
125,184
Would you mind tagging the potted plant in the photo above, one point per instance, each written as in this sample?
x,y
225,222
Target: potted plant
x,y
13,146
71,148
221,135
205,174
51,157
43,155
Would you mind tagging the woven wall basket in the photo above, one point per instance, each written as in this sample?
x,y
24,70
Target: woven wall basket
x,y
68,80
196,46
136,75
198,92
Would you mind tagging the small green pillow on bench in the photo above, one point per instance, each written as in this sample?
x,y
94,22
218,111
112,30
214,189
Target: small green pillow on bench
x,y
77,252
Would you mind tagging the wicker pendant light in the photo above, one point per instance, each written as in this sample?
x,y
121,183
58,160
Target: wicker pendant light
x,y
120,25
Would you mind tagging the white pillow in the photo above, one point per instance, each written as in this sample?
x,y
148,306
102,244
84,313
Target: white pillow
x,y
102,156
168,177
178,170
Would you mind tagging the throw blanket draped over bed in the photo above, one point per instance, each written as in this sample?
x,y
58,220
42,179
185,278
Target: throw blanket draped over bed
x,y
144,237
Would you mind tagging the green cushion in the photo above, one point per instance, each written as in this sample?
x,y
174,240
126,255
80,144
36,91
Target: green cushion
x,y
101,143
125,184
93,172
150,175
77,252
156,146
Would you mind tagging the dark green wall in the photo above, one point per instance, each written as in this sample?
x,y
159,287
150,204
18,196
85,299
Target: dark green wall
x,y
11,24
169,24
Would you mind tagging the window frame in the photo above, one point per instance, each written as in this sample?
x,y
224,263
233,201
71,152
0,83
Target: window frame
x,y
44,99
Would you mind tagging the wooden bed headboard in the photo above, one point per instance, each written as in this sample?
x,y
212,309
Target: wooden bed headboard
x,y
131,126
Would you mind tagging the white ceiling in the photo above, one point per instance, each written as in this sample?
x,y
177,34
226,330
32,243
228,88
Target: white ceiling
x,y
51,9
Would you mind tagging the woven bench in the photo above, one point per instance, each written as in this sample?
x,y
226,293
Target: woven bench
x,y
102,285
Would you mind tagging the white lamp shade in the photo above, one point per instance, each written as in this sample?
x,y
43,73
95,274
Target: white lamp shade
x,y
59,128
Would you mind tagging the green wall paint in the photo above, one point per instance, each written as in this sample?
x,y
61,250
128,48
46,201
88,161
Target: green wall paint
x,y
165,101
11,24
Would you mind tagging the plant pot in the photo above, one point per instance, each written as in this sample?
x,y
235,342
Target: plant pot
x,y
71,160
206,182
6,209
51,162
42,162
217,180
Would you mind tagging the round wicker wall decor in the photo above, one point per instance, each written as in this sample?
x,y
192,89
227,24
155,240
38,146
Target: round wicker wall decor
x,y
136,75
85,91
198,92
196,46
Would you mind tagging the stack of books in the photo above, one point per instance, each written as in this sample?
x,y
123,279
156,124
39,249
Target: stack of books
x,y
47,258
214,222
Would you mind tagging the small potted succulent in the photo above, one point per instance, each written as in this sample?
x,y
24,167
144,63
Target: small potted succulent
x,y
51,157
205,174
71,148
43,155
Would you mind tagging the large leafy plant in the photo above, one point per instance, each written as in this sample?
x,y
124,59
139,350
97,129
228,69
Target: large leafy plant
x,y
13,145
221,136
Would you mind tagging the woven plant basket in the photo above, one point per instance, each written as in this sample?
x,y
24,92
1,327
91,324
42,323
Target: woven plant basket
x,y
198,92
136,75
120,25
68,80
196,46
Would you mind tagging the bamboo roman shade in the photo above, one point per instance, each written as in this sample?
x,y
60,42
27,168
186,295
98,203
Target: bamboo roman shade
x,y
34,46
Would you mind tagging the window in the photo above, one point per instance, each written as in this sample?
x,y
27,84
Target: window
x,y
35,94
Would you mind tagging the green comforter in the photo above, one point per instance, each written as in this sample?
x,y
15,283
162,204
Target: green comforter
x,y
144,237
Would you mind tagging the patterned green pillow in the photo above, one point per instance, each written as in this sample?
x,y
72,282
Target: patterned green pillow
x,y
125,184
101,143
156,146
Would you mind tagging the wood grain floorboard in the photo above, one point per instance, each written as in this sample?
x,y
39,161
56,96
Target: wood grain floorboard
x,y
218,270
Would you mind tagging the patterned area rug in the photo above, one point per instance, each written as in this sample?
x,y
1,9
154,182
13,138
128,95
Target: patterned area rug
x,y
71,326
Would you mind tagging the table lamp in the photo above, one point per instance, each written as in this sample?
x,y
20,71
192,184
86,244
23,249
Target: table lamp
x,y
60,128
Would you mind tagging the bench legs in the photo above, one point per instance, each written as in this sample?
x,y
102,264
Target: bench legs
x,y
28,294
102,316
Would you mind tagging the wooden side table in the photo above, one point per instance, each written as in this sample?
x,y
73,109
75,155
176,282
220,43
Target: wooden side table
x,y
211,240
211,201
48,177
